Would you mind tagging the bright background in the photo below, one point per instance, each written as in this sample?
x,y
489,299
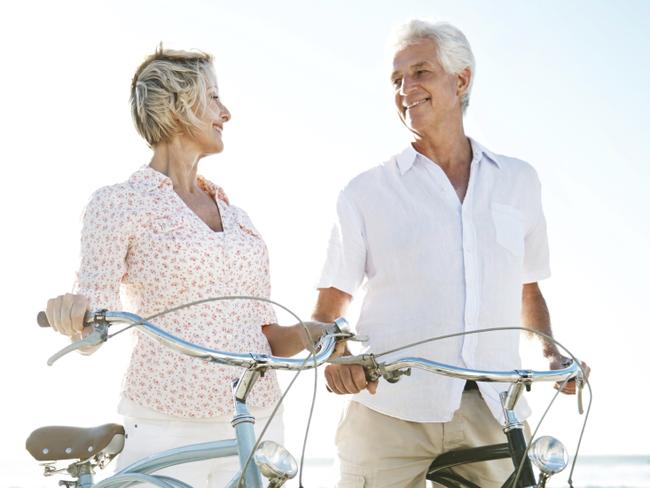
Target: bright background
x,y
560,84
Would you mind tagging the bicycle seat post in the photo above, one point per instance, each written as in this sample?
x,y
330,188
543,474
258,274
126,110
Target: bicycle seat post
x,y
85,476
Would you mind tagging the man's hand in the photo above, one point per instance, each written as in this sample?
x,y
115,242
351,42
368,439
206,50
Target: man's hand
x,y
345,379
559,362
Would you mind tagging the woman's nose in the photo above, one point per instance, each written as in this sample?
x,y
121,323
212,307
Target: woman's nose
x,y
225,113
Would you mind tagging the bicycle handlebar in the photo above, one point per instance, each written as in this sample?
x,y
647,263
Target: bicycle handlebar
x,y
101,320
392,370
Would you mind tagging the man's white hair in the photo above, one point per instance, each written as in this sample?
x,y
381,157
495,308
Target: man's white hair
x,y
453,49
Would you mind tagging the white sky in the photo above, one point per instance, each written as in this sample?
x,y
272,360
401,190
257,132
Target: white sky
x,y
562,85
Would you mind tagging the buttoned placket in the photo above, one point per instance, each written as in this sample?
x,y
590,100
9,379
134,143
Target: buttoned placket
x,y
465,214
470,267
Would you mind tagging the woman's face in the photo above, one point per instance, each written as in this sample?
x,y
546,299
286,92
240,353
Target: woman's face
x,y
209,135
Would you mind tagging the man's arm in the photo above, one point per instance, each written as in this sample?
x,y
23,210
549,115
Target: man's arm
x,y
341,379
535,316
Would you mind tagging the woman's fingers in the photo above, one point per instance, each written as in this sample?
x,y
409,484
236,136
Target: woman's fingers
x,y
66,313
78,309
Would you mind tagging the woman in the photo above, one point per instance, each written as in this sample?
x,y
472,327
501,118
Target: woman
x,y
165,237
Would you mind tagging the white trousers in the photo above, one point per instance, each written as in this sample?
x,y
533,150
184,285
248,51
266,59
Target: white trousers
x,y
145,437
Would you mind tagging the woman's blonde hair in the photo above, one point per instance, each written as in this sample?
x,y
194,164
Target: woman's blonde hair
x,y
169,93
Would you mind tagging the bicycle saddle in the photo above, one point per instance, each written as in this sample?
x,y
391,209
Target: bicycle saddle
x,y
54,443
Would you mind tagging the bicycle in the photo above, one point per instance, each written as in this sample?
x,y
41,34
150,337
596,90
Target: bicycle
x,y
547,453
87,449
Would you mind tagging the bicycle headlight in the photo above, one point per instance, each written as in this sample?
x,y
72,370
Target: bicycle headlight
x,y
275,462
549,455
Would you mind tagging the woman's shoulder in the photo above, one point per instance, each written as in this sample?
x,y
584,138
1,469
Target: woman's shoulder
x,y
119,201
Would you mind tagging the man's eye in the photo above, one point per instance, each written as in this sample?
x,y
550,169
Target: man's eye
x,y
397,82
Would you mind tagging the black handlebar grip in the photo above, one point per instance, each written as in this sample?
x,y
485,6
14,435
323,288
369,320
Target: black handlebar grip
x,y
41,319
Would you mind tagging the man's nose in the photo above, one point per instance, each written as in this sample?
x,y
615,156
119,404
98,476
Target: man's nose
x,y
406,86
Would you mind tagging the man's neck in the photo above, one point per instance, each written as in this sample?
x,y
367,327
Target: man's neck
x,y
450,151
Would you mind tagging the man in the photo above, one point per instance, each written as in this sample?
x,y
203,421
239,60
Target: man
x,y
450,237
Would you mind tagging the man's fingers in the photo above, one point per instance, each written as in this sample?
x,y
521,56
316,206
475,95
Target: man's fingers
x,y
344,379
333,379
347,378
358,377
372,387
569,387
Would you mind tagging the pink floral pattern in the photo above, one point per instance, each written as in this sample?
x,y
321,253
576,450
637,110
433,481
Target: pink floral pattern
x,y
139,238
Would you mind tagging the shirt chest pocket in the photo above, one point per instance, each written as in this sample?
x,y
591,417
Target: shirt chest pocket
x,y
509,228
164,224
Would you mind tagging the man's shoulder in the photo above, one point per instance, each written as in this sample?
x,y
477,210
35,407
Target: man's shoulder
x,y
373,178
509,163
511,169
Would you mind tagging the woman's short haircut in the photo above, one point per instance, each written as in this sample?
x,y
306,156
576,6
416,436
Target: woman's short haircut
x,y
169,93
453,49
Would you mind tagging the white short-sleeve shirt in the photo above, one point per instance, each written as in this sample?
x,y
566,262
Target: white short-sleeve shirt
x,y
434,266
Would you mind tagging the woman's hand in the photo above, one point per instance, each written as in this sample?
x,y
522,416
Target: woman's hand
x,y
66,314
289,341
316,330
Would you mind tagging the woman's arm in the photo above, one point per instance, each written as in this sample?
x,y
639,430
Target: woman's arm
x,y
105,238
288,341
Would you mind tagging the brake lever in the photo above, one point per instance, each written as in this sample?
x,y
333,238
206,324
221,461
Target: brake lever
x,y
580,385
96,337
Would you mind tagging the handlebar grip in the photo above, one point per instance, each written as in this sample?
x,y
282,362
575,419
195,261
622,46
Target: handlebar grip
x,y
41,320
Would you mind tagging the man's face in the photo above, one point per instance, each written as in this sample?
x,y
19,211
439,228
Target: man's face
x,y
425,95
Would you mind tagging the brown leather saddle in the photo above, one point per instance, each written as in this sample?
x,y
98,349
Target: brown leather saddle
x,y
55,443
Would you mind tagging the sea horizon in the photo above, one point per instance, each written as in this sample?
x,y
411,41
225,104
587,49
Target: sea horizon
x,y
592,471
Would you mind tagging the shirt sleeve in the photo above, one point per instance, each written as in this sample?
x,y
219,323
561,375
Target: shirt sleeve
x,y
105,239
345,264
264,310
536,253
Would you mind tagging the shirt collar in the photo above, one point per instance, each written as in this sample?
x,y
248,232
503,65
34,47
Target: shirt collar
x,y
407,158
148,179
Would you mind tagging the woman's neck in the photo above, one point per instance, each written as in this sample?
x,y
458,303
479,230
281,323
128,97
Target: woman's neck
x,y
179,161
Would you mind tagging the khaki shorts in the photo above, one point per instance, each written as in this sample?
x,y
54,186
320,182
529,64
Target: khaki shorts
x,y
379,451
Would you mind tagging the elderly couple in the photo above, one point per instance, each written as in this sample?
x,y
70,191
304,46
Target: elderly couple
x,y
448,235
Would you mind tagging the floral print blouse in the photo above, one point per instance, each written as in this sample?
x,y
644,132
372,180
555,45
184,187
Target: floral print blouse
x,y
140,240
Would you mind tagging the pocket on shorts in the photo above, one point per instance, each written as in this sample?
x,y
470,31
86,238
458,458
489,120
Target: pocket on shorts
x,y
509,227
349,480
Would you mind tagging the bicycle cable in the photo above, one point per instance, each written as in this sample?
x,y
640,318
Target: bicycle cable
x,y
401,348
312,354
545,336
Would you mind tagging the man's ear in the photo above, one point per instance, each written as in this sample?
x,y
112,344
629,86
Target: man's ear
x,y
463,80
